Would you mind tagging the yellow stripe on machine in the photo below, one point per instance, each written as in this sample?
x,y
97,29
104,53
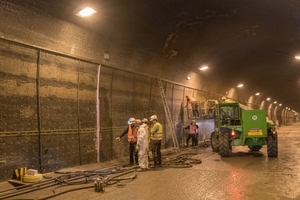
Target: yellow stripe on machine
x,y
255,132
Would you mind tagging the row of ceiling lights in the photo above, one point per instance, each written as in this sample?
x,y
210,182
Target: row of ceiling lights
x,y
202,68
87,11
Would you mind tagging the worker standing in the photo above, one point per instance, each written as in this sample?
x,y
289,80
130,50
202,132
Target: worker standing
x,y
156,132
142,145
131,132
194,104
193,130
145,122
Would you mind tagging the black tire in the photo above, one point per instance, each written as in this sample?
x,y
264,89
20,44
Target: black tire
x,y
224,145
214,141
272,145
255,147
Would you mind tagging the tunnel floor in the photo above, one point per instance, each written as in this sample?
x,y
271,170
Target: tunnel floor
x,y
244,175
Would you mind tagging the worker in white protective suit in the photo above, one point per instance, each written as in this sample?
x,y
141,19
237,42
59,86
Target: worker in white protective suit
x,y
145,121
142,146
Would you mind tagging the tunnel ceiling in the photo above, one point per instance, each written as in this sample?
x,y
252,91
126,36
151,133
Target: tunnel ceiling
x,y
249,42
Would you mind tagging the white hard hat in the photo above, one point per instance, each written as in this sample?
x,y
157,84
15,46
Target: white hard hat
x,y
138,121
153,117
131,120
145,120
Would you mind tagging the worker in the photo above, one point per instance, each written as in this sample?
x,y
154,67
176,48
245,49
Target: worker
x,y
225,113
145,121
142,145
194,104
131,132
193,129
156,133
222,114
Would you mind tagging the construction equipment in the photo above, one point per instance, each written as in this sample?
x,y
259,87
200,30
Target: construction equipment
x,y
100,183
238,125
168,115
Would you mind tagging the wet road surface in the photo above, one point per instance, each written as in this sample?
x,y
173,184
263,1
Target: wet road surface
x,y
243,176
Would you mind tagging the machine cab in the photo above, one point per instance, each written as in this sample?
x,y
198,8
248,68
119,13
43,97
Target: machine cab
x,y
229,114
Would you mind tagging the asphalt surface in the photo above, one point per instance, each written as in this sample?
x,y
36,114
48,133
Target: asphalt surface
x,y
245,175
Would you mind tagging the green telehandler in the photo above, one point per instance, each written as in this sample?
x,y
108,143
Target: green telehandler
x,y
238,125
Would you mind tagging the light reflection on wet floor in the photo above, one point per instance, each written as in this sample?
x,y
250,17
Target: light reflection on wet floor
x,y
245,175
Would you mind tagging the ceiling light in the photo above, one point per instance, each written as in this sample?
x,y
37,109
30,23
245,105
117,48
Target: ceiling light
x,y
203,68
257,94
86,12
275,102
297,57
280,104
268,99
240,85
188,78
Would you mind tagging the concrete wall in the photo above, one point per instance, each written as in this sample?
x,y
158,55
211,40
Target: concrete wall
x,y
48,109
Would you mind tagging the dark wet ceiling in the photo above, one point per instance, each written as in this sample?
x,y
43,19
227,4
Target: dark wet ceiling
x,y
249,42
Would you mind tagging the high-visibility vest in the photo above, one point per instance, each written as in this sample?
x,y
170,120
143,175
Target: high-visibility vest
x,y
193,129
132,135
191,99
156,135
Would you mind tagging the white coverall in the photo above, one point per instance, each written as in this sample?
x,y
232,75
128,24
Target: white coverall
x,y
142,142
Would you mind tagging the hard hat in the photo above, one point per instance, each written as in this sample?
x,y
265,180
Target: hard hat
x,y
131,120
138,121
193,121
153,117
145,120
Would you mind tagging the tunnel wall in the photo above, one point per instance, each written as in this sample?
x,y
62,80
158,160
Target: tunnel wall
x,y
48,109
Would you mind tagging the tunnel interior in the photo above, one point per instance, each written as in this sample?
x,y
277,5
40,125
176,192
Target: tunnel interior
x,y
50,60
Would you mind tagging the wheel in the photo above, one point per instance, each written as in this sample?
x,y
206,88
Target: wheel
x,y
272,145
224,145
255,147
214,141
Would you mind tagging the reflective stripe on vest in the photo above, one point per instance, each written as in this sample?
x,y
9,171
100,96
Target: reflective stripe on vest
x,y
132,135
193,129
156,135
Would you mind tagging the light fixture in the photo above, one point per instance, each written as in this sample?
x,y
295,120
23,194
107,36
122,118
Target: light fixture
x,y
86,12
280,104
297,57
257,93
268,99
106,56
188,78
240,85
203,68
275,102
